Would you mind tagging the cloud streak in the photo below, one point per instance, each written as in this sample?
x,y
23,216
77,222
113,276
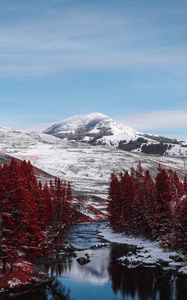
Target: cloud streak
x,y
168,121
75,38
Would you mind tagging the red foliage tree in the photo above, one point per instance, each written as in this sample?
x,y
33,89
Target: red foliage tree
x,y
156,208
27,208
114,207
163,212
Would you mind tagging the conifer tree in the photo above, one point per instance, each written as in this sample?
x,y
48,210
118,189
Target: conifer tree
x,y
114,208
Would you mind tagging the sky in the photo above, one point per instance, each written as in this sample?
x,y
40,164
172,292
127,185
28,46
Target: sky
x,y
124,58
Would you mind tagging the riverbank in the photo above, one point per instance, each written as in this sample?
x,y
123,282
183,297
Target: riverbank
x,y
91,270
22,277
146,253
81,242
25,275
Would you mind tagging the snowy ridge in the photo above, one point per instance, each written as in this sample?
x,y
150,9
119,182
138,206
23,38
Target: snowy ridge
x,y
71,124
91,126
99,129
6,129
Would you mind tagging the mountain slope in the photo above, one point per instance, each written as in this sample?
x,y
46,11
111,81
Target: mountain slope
x,y
93,128
98,129
87,167
40,174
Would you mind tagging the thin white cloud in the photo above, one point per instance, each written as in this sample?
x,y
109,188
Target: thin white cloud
x,y
175,120
48,64
171,121
36,127
79,38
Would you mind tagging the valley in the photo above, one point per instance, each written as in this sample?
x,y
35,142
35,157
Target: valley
x,y
88,167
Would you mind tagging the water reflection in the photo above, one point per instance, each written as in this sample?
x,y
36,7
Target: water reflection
x,y
103,278
59,266
56,291
145,283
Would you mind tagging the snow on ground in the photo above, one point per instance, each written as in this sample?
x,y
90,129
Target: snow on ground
x,y
24,273
14,282
183,270
148,253
87,167
177,150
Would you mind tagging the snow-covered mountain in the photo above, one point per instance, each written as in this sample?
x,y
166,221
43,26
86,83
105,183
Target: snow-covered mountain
x,y
98,129
87,167
93,128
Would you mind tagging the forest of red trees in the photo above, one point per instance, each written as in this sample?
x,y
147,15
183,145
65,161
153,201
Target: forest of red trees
x,y
155,208
31,213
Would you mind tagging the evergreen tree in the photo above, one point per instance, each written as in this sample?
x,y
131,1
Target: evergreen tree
x,y
27,209
163,211
156,208
114,207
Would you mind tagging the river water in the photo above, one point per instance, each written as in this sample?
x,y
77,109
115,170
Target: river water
x,y
103,278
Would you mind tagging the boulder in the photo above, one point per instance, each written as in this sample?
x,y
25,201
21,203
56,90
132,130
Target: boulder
x,y
83,260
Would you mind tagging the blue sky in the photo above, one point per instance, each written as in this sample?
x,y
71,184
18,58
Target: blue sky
x,y
124,58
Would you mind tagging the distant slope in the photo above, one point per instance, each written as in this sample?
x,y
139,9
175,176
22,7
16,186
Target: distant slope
x,y
88,210
40,174
98,129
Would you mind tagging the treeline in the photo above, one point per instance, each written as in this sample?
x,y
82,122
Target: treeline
x,y
31,213
155,208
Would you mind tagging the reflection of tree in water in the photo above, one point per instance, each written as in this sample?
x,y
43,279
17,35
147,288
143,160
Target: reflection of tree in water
x,y
181,287
144,283
53,291
60,266
56,291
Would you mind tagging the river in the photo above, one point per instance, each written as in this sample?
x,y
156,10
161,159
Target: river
x,y
103,278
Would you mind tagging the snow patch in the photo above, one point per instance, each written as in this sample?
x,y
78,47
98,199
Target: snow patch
x,y
14,282
183,270
148,253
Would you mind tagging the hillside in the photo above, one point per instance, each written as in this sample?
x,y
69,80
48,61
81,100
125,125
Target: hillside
x,y
87,167
99,129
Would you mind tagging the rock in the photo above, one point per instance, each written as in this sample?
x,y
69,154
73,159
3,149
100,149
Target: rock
x,y
176,265
69,248
130,262
149,262
83,260
177,258
162,263
183,270
73,254
96,246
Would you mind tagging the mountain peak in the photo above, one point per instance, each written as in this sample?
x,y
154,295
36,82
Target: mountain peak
x,y
99,129
93,115
84,118
94,128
